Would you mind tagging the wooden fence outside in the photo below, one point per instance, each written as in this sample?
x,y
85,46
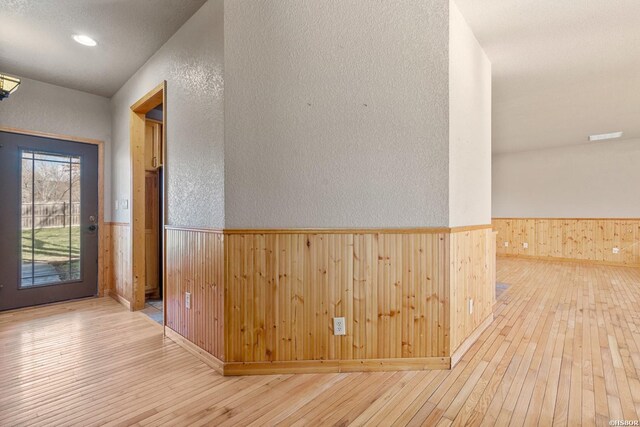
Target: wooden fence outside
x,y
45,215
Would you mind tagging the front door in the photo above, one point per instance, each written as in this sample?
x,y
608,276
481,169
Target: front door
x,y
48,220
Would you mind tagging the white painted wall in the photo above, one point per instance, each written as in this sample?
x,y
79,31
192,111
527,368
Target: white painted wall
x,y
336,113
192,62
48,108
469,126
597,180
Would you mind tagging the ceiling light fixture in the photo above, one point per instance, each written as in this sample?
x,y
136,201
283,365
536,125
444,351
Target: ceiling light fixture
x,y
603,136
84,40
8,85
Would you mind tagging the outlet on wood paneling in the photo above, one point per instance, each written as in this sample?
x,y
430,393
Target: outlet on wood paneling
x,y
195,265
272,297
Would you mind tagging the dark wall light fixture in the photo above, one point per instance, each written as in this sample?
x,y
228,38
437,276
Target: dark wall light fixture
x,y
8,85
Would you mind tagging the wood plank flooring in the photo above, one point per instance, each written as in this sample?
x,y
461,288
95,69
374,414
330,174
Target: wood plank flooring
x,y
563,350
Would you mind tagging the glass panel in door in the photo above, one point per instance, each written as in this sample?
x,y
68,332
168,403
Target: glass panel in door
x,y
50,218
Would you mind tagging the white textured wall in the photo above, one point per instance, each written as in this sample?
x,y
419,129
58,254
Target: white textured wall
x,y
47,108
469,126
192,62
599,180
336,113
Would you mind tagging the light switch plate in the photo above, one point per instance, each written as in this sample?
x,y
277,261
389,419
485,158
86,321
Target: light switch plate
x,y
187,299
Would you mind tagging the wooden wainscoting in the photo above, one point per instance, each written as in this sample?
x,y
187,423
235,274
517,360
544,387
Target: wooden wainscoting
x,y
590,240
283,289
107,259
472,285
264,301
194,264
117,263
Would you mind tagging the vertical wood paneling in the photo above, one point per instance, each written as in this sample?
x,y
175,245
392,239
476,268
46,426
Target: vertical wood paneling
x,y
118,269
107,256
272,297
194,263
472,278
283,290
578,239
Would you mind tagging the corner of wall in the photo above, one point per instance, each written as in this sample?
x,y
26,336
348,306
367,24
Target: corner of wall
x,y
469,125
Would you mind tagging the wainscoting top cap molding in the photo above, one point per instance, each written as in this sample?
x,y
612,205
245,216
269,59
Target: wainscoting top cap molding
x,y
417,230
567,218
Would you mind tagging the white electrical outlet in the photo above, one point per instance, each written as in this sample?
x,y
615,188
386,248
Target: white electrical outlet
x,y
525,245
124,204
506,244
616,250
471,306
339,326
187,299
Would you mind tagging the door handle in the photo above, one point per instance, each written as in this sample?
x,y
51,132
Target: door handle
x,y
92,227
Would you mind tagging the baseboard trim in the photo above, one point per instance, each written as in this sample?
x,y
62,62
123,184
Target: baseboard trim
x,y
336,366
470,340
304,366
576,260
308,366
208,358
122,300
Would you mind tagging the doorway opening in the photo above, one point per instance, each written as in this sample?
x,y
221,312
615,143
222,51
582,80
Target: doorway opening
x,y
148,162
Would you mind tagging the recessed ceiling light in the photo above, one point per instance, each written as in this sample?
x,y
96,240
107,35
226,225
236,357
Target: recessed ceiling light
x,y
85,40
602,136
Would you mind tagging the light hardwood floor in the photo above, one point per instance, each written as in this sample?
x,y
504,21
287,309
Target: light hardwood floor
x,y
563,350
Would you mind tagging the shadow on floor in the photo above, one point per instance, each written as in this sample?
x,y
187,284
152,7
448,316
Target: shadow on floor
x,y
153,309
500,288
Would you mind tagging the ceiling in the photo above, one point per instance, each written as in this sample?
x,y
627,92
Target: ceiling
x,y
36,43
562,70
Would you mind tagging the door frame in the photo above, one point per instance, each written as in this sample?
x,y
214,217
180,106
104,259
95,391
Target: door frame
x,y
60,137
139,109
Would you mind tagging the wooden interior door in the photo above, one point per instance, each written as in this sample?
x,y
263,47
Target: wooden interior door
x,y
153,145
153,161
152,209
